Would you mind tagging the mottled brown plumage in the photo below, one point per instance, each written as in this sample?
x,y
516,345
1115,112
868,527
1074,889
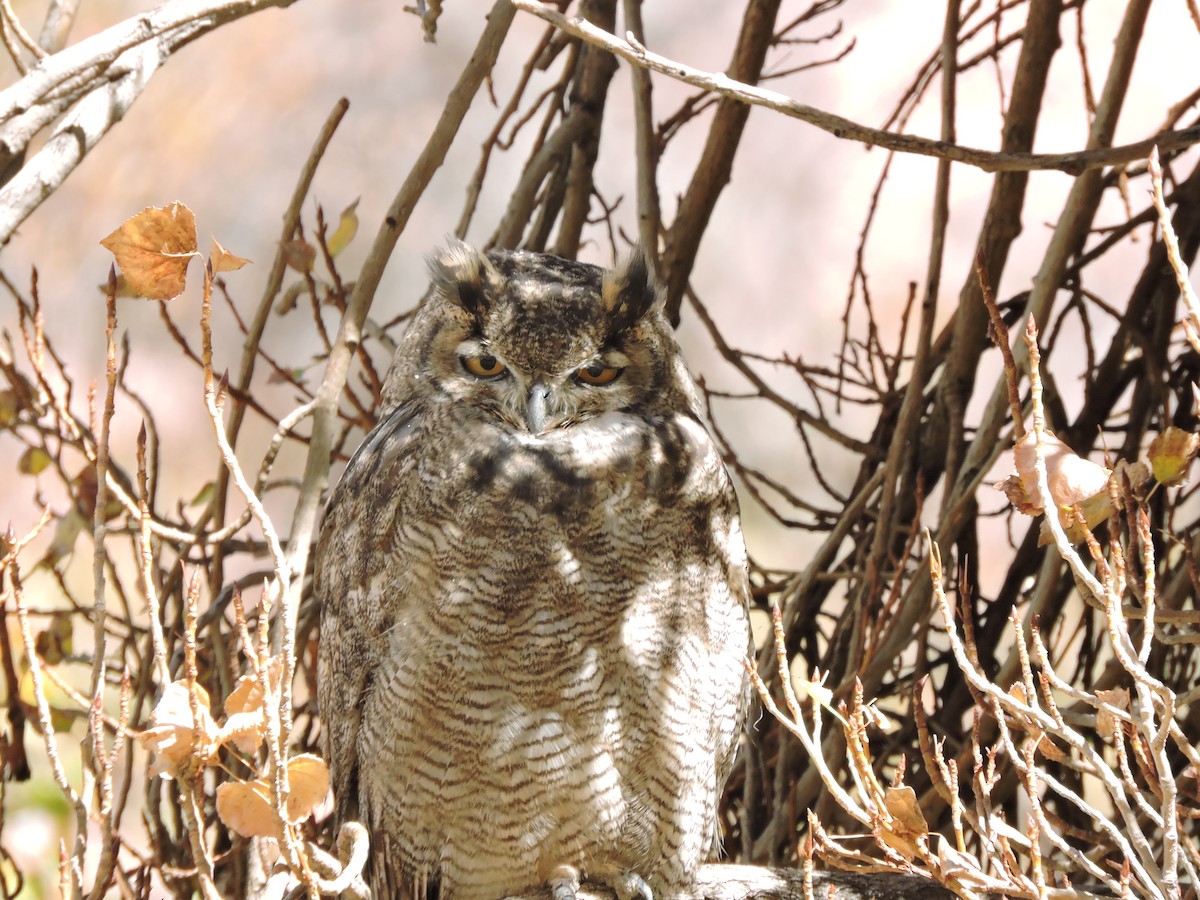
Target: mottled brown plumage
x,y
534,594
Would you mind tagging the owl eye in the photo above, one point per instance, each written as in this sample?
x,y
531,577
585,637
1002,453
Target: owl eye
x,y
598,375
484,366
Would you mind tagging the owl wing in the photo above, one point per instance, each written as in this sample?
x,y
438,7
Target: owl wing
x,y
353,620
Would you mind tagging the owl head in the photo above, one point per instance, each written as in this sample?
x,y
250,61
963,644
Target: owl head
x,y
540,343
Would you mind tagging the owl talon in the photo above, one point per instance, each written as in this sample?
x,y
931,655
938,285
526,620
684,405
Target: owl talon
x,y
564,883
630,886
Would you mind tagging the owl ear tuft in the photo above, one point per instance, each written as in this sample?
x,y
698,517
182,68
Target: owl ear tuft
x,y
630,291
463,276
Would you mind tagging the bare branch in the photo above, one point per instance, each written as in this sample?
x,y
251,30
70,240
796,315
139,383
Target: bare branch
x,y
990,161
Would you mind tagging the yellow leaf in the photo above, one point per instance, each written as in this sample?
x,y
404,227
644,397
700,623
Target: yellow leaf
x,y
345,231
1171,453
245,806
154,248
204,495
33,461
222,260
63,711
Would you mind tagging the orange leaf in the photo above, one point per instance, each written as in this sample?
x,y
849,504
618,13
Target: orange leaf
x,y
154,248
905,810
308,780
222,260
246,808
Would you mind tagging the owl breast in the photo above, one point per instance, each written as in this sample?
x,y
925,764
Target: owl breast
x,y
532,647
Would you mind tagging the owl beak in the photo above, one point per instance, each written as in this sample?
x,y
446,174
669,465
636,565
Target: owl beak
x,y
535,409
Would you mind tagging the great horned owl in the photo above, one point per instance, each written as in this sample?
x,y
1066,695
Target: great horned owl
x,y
534,594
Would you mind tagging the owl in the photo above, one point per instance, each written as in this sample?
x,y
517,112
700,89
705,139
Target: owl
x,y
534,594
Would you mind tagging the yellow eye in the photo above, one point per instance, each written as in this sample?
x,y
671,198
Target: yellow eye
x,y
598,375
484,366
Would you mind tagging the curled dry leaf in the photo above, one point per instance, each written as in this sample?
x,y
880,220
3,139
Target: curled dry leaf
x,y
179,740
1108,725
1072,479
905,810
247,708
907,828
299,254
154,248
1171,454
222,260
958,867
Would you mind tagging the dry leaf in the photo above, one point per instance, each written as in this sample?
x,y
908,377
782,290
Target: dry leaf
x,y
246,708
9,408
57,641
290,298
246,721
63,710
1072,479
1095,510
66,532
222,260
1171,454
1050,750
1108,725
308,779
1014,488
957,865
154,248
300,255
173,731
345,231
33,461
245,806
901,803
